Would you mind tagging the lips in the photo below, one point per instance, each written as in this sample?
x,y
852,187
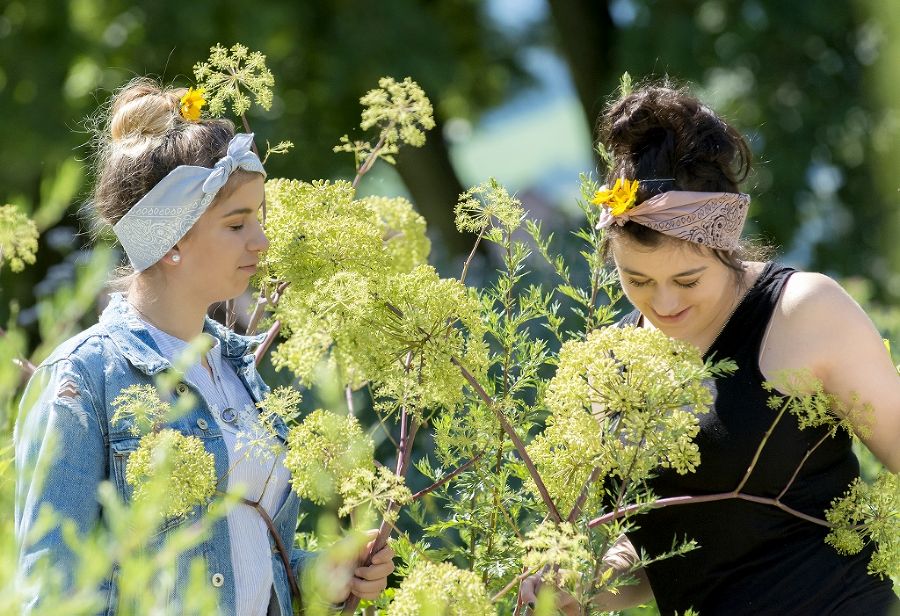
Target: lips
x,y
671,318
248,268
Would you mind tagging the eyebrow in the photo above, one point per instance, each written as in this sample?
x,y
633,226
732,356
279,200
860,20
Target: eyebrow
x,y
240,210
689,272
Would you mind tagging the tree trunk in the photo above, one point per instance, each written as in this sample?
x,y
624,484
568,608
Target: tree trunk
x,y
586,36
435,188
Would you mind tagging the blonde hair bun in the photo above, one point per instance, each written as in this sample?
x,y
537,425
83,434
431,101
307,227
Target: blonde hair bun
x,y
144,110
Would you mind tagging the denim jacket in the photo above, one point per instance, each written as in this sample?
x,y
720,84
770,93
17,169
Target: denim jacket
x,y
70,396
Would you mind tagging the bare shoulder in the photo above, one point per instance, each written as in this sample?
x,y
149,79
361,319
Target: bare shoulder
x,y
816,299
813,320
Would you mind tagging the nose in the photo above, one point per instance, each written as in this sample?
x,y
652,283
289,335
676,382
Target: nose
x,y
259,242
666,301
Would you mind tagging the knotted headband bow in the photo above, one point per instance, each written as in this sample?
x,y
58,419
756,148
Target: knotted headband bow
x,y
713,219
167,212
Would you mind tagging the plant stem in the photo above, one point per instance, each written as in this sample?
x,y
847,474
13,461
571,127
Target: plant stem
x,y
802,462
445,479
373,155
707,498
270,338
517,442
465,269
408,429
512,583
576,509
762,445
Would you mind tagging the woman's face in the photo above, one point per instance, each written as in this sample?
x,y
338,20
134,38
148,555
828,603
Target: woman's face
x,y
220,253
685,293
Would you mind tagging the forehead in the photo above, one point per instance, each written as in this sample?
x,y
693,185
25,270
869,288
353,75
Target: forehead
x,y
242,186
667,259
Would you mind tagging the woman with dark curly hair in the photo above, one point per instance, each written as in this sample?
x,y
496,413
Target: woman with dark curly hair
x,y
673,221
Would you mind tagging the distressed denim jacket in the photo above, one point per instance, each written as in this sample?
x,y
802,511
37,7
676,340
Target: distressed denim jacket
x,y
70,397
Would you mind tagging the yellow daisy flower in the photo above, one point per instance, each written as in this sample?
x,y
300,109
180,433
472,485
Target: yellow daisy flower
x,y
620,198
192,103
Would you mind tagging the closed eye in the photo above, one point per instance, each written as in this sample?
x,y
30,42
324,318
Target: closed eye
x,y
236,227
688,285
638,283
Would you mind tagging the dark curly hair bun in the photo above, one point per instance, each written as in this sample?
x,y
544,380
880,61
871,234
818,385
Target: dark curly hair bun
x,y
658,132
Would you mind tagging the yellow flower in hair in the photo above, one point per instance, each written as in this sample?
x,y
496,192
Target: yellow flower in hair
x,y
620,198
192,103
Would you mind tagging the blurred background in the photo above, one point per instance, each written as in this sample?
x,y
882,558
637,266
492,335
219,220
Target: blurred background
x,y
517,86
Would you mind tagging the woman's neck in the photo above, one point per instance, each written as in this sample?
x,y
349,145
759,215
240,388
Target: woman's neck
x,y
172,310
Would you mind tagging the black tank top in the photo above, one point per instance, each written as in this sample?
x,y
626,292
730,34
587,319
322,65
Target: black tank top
x,y
753,558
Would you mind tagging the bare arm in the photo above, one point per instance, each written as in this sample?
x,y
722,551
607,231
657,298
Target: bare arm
x,y
819,327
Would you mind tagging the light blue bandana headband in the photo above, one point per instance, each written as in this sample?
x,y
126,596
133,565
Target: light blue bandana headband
x,y
165,214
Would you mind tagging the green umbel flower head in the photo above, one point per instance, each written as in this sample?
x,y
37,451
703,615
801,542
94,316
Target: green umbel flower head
x,y
869,513
440,589
169,465
18,238
324,451
229,74
624,400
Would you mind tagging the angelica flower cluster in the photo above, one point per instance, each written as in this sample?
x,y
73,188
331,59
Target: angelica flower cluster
x,y
400,109
324,451
374,490
140,408
179,463
361,296
440,589
869,513
18,238
228,74
479,207
561,546
625,401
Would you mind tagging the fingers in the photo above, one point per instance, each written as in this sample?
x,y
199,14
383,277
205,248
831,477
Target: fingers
x,y
368,589
382,556
529,588
370,581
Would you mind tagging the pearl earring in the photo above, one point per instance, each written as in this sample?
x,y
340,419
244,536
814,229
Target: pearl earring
x,y
176,258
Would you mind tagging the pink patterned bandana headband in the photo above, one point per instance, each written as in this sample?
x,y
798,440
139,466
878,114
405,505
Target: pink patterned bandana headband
x,y
713,219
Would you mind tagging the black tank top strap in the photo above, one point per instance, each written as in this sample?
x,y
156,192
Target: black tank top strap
x,y
744,332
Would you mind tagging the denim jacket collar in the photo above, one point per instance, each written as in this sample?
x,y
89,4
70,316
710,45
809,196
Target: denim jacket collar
x,y
134,341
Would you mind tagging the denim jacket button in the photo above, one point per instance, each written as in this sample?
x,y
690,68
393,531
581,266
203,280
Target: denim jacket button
x,y
218,579
201,423
181,389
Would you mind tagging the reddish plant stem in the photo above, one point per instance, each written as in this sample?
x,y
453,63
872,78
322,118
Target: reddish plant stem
x,y
270,338
449,477
707,498
372,157
509,586
802,462
465,269
510,431
576,509
408,429
762,444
